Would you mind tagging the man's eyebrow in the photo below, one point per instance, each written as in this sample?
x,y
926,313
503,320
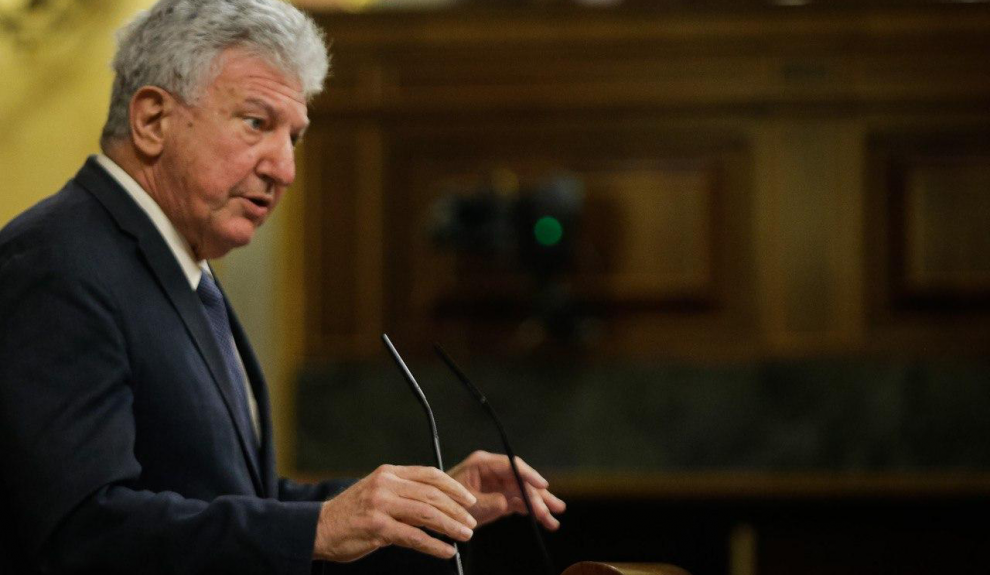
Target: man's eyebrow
x,y
263,104
271,111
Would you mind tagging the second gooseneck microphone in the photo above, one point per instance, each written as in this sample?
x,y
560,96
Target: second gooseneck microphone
x,y
547,562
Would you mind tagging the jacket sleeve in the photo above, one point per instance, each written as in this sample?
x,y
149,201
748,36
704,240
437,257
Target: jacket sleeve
x,y
67,433
289,490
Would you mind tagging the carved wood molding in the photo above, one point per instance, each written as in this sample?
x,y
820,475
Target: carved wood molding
x,y
674,60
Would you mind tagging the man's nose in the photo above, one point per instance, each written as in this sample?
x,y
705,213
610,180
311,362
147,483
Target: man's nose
x,y
279,161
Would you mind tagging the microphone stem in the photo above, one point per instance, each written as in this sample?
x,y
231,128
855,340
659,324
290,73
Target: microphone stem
x,y
547,562
438,459
418,392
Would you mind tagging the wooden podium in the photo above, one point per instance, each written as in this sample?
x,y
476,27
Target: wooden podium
x,y
596,568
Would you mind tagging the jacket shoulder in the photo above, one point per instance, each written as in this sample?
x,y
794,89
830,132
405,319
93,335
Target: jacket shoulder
x,y
70,228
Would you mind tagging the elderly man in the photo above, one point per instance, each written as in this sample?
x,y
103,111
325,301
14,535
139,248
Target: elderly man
x,y
134,420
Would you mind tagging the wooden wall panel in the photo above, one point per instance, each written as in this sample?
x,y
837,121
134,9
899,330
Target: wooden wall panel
x,y
811,193
928,220
330,228
946,224
342,222
657,238
660,236
746,191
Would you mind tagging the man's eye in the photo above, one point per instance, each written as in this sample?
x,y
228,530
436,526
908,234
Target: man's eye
x,y
255,123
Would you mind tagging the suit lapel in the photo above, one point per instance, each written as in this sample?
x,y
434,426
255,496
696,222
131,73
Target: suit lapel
x,y
166,269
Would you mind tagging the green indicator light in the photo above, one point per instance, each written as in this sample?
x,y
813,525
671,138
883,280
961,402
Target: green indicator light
x,y
548,231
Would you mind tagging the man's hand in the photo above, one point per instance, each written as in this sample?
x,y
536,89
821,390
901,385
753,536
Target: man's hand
x,y
489,477
393,504
389,507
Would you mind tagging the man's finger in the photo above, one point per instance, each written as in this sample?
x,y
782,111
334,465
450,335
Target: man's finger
x,y
440,480
404,535
500,464
540,510
543,514
434,497
516,505
555,503
530,475
419,514
494,504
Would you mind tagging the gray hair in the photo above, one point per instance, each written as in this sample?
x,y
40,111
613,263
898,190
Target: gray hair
x,y
174,46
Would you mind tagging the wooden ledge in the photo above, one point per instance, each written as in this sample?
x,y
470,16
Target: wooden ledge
x,y
594,568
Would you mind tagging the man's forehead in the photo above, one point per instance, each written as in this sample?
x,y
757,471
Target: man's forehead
x,y
242,70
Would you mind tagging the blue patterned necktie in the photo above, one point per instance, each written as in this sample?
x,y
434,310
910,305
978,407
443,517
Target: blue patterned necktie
x,y
216,313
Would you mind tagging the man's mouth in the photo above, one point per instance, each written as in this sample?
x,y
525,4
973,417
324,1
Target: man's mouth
x,y
260,201
256,208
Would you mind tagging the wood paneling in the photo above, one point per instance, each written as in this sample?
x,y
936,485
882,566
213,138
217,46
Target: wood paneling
x,y
928,215
748,190
656,236
946,225
331,223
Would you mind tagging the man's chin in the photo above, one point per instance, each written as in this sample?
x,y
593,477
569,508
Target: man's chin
x,y
225,243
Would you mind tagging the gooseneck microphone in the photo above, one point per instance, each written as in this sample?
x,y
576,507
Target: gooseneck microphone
x,y
418,392
547,562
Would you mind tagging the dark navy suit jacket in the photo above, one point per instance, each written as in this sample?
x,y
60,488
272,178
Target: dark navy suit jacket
x,y
120,454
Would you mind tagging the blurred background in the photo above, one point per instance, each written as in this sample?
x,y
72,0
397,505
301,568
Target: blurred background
x,y
723,267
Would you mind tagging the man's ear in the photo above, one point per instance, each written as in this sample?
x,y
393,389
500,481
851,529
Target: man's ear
x,y
150,116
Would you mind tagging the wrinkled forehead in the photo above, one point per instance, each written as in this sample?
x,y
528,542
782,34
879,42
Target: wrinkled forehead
x,y
242,65
242,74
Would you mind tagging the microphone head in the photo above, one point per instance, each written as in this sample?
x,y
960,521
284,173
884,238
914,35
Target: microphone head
x,y
404,369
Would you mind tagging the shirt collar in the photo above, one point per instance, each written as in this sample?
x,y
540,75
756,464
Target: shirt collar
x,y
192,269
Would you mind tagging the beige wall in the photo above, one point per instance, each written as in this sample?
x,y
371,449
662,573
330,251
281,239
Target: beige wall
x,y
53,103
